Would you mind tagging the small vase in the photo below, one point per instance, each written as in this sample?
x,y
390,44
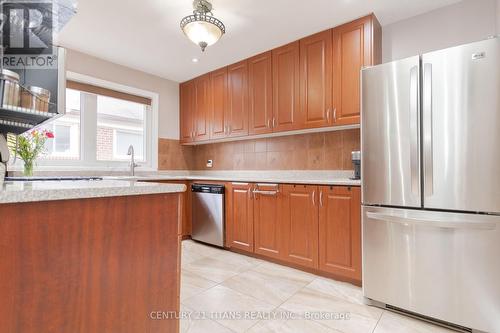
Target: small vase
x,y
28,169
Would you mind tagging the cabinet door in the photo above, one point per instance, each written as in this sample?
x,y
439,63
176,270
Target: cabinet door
x,y
316,79
187,103
219,104
268,228
239,217
340,231
300,222
352,43
203,108
286,89
260,94
237,95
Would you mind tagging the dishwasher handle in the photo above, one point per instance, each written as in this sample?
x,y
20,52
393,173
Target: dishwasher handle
x,y
207,188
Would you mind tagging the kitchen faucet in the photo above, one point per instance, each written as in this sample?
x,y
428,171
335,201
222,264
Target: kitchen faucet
x,y
132,161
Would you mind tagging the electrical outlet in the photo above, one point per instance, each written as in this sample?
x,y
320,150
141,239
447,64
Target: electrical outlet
x,y
210,163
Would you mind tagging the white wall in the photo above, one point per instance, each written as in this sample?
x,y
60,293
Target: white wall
x,y
498,17
466,21
168,112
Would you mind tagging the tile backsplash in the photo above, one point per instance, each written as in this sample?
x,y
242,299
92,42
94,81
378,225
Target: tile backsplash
x,y
315,151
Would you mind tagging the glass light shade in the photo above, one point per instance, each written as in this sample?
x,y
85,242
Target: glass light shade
x,y
200,32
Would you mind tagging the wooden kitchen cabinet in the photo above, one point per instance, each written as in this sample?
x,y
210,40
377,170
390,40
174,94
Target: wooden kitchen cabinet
x,y
260,94
239,216
187,100
340,231
268,226
237,99
300,223
203,108
286,88
316,72
355,45
310,83
218,119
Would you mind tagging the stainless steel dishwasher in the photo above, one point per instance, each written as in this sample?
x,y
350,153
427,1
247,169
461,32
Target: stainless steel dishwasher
x,y
208,213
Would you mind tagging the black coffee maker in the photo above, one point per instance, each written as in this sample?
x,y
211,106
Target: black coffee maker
x,y
356,161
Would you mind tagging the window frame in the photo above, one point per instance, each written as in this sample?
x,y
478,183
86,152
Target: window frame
x,y
88,158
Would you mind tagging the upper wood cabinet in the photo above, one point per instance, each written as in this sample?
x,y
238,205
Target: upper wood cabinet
x,y
203,108
268,226
286,89
239,217
187,107
340,231
237,99
310,83
218,123
260,94
355,45
316,79
300,223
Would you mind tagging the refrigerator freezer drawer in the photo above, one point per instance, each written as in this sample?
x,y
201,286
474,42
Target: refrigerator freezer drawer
x,y
437,264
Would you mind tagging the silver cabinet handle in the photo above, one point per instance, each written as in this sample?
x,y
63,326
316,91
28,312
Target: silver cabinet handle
x,y
268,123
328,115
427,123
334,115
438,222
321,198
414,130
274,122
266,192
314,198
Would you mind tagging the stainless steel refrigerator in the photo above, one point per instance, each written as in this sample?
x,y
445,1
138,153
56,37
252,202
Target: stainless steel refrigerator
x,y
430,139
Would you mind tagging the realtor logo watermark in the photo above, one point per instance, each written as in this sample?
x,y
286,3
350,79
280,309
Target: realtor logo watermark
x,y
27,34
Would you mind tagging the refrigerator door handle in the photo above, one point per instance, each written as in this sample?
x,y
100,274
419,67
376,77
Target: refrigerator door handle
x,y
438,222
427,123
414,130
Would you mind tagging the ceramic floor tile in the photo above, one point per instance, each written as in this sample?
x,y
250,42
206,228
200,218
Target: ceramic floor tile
x,y
216,270
192,324
188,256
266,285
193,284
347,317
342,290
282,325
222,301
281,271
392,322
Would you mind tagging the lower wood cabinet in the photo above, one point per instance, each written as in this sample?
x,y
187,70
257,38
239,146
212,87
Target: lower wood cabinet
x,y
315,227
300,225
239,216
268,225
340,231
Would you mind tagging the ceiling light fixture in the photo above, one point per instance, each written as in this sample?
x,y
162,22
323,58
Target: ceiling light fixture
x,y
194,60
202,28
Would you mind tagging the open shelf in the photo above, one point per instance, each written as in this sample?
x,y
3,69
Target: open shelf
x,y
17,120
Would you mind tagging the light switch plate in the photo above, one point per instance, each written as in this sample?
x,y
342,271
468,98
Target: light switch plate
x,y
210,163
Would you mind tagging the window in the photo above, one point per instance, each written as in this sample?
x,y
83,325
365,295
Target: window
x,y
101,124
66,129
120,124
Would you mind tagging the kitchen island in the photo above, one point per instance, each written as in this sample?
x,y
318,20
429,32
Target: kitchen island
x,y
89,256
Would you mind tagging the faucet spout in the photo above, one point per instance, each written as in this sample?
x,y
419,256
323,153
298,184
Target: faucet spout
x,y
132,164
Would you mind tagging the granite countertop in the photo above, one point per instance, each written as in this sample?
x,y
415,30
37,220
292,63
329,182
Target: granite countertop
x,y
29,191
341,178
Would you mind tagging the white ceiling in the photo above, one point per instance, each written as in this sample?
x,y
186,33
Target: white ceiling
x,y
145,34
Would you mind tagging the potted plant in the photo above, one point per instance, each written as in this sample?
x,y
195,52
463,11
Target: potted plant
x,y
30,146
